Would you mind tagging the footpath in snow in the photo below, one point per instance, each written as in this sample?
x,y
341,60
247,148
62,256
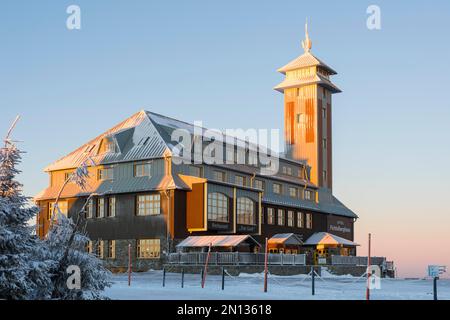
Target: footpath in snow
x,y
148,286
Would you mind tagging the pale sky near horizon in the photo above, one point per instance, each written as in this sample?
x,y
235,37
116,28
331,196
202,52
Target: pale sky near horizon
x,y
216,61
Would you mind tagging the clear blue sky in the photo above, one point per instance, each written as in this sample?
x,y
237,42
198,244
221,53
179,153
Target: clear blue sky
x,y
216,61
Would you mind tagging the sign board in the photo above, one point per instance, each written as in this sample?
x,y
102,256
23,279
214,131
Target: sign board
x,y
435,271
322,260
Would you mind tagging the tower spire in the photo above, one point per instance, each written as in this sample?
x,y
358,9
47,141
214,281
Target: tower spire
x,y
307,43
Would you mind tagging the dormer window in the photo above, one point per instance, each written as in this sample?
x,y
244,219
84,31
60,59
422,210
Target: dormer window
x,y
105,174
108,145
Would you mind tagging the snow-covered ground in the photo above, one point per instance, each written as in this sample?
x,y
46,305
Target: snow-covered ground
x,y
148,286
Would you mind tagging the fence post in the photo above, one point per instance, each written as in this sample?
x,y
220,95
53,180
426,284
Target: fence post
x,y
129,264
435,279
201,274
266,254
182,277
313,275
282,258
223,278
164,277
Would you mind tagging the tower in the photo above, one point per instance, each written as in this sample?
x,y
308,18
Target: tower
x,y
307,90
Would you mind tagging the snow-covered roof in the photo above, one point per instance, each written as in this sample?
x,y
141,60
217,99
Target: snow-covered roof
x,y
286,238
305,60
216,241
325,238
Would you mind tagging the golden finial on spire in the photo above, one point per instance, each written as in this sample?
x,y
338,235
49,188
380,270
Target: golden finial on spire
x,y
307,43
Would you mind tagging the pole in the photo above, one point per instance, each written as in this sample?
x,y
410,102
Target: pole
x,y
223,278
369,271
129,264
313,282
206,266
266,256
182,278
435,279
164,277
201,276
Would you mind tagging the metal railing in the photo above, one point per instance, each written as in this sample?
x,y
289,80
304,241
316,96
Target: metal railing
x,y
235,258
356,261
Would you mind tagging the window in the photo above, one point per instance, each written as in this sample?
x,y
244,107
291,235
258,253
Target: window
x,y
67,175
219,176
110,146
111,249
324,175
252,158
309,221
101,208
245,211
324,113
195,171
298,117
300,220
100,246
148,248
142,170
149,205
259,184
112,207
287,171
290,218
62,206
217,207
324,143
280,217
293,192
89,246
90,209
105,174
239,180
270,216
307,195
277,188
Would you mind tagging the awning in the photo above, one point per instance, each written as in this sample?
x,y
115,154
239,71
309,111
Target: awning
x,y
325,238
286,239
216,241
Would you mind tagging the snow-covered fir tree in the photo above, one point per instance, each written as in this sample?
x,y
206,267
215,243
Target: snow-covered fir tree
x,y
66,242
23,272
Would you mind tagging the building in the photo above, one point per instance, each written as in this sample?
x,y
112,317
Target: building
x,y
138,195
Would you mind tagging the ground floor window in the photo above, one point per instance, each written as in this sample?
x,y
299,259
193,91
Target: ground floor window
x,y
309,221
148,248
290,218
300,220
111,249
270,216
89,247
217,207
100,249
245,211
280,217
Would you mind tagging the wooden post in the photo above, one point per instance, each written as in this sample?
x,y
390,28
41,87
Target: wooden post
x,y
435,279
182,278
206,266
164,277
368,270
266,260
223,278
129,264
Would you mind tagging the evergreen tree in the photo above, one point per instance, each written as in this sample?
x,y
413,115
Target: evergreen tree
x,y
23,274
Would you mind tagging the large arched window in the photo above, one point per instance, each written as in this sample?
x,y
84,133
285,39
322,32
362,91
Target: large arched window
x,y
245,211
217,207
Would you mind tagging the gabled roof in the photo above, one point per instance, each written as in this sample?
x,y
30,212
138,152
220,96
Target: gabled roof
x,y
316,78
216,241
286,238
325,238
305,60
137,138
